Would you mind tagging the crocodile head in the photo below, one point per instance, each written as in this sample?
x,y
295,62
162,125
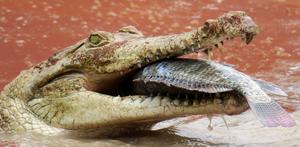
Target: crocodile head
x,y
114,55
81,87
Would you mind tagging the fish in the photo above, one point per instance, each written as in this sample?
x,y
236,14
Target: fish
x,y
211,77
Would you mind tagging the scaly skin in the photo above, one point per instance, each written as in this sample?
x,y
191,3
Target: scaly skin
x,y
69,92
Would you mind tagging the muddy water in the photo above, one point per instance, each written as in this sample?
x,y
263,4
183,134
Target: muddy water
x,y
32,30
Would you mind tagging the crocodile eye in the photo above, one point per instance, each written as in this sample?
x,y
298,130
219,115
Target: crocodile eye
x,y
130,30
99,39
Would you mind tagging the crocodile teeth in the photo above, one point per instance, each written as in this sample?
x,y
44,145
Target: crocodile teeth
x,y
139,65
147,101
165,101
217,101
176,102
196,102
117,99
138,101
156,101
202,102
186,103
249,37
127,100
231,101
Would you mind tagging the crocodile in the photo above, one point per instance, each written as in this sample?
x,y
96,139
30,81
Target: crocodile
x,y
80,89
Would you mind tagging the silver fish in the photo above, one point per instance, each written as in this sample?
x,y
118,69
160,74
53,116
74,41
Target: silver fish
x,y
212,77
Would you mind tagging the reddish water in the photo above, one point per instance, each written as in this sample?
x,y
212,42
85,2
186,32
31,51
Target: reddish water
x,y
32,30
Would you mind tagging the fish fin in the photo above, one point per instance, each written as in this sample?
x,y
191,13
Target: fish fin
x,y
270,88
267,87
271,114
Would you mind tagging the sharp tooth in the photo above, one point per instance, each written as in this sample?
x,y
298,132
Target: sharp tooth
x,y
196,102
139,65
165,101
138,101
156,101
203,102
117,98
249,37
186,103
231,101
127,100
147,100
147,60
209,53
220,45
176,102
217,101
199,45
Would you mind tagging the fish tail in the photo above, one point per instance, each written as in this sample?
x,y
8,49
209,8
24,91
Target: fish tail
x,y
271,114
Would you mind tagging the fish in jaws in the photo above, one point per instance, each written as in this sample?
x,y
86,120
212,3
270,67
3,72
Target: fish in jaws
x,y
200,77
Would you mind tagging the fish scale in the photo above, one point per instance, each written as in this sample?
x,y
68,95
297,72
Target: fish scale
x,y
211,77
188,74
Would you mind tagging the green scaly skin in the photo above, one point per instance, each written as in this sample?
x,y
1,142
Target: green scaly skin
x,y
68,93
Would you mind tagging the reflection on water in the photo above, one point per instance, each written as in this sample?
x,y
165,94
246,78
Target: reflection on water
x,y
32,30
38,140
243,129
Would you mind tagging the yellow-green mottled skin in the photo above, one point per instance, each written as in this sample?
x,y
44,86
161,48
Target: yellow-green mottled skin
x,y
64,93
